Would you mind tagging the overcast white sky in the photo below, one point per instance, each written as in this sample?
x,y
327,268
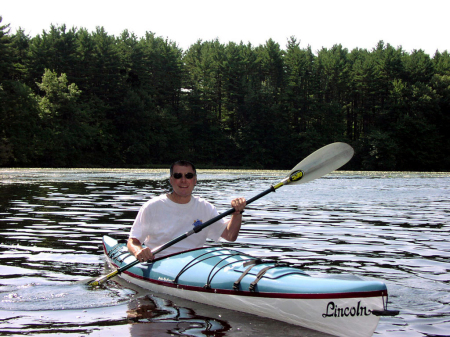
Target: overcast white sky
x,y
411,24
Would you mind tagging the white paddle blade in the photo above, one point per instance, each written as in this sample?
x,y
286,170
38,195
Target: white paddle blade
x,y
323,161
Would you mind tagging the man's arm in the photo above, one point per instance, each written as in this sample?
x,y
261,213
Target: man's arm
x,y
135,247
231,232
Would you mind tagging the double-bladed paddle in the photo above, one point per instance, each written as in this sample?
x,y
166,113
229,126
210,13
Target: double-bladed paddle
x,y
319,163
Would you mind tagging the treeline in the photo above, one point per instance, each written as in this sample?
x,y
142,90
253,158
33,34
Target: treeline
x,y
74,98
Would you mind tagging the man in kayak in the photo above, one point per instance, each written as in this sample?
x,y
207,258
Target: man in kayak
x,y
170,215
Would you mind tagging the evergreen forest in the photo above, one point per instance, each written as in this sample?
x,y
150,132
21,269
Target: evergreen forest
x,y
78,98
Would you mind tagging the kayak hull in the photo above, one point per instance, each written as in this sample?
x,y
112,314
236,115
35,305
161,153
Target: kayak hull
x,y
229,279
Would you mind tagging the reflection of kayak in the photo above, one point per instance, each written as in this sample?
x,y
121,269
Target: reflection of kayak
x,y
168,318
233,280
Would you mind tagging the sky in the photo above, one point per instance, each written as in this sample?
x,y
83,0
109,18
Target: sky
x,y
412,24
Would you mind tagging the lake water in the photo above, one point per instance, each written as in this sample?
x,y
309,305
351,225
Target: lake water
x,y
392,227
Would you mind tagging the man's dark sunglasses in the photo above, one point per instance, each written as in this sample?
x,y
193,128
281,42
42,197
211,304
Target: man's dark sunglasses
x,y
186,175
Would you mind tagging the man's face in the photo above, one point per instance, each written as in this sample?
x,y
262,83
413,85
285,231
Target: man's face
x,y
183,186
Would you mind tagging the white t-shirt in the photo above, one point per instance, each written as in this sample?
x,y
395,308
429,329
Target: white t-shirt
x,y
160,220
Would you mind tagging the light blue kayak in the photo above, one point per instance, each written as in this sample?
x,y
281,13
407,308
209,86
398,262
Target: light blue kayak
x,y
233,280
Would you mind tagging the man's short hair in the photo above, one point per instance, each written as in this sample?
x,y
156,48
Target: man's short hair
x,y
183,163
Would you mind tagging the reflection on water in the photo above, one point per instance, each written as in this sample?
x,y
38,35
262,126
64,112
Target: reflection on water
x,y
387,226
170,318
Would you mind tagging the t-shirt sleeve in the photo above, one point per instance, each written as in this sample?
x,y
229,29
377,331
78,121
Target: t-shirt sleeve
x,y
216,232
137,228
216,229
